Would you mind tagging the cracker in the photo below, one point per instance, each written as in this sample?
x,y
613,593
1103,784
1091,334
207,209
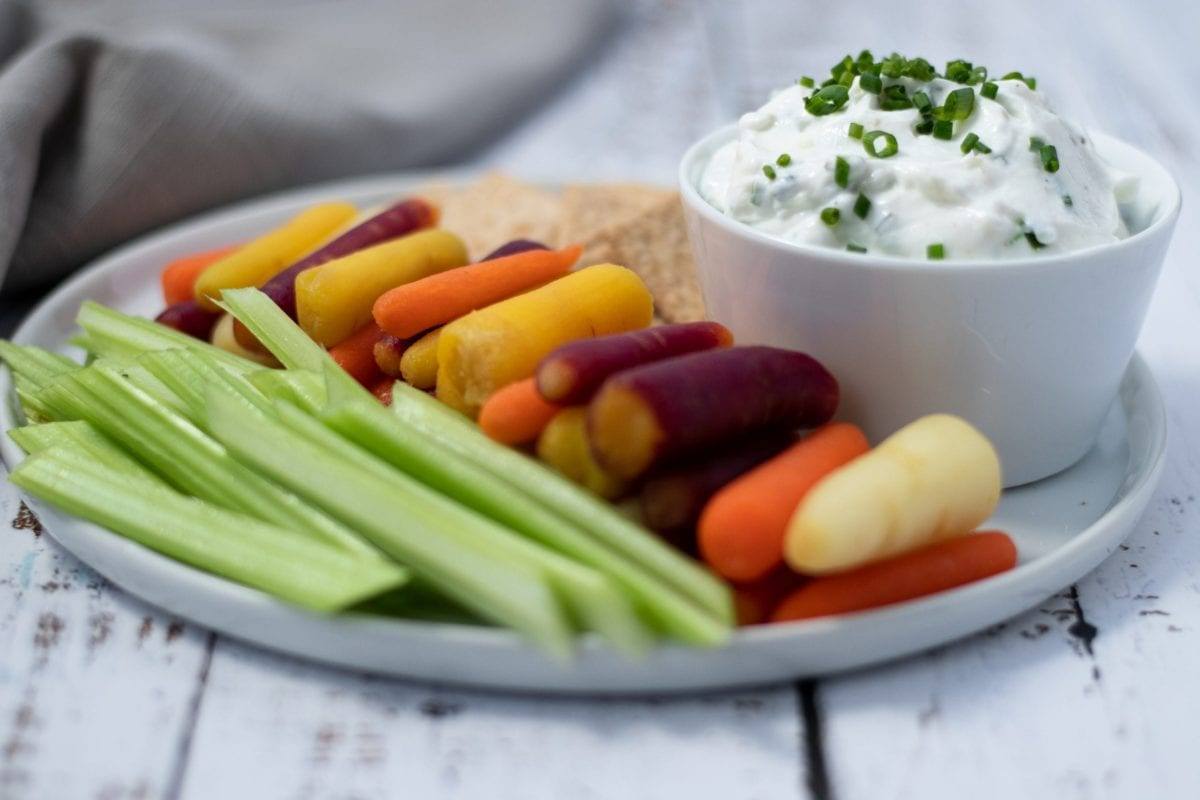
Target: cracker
x,y
589,209
497,209
655,245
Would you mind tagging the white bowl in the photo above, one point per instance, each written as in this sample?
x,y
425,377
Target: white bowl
x,y
1029,350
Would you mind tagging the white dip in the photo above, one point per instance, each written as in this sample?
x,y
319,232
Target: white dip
x,y
1004,203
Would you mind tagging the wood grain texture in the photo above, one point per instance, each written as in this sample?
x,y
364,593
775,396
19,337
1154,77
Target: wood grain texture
x,y
1091,695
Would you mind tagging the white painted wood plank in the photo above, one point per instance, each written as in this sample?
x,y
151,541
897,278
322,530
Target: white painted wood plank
x,y
95,687
274,727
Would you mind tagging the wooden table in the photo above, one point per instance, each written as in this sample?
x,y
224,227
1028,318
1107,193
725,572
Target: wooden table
x,y
1091,695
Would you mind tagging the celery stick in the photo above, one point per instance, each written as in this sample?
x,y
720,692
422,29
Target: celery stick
x,y
140,377
187,457
82,437
580,507
38,366
190,375
594,599
373,428
447,545
299,387
221,542
129,336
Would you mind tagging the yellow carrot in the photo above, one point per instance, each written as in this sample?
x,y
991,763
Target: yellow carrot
x,y
563,445
503,343
257,261
334,299
418,365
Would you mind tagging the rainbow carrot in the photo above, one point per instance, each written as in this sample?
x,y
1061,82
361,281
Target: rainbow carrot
x,y
684,405
188,317
755,602
179,277
516,414
356,355
423,304
564,446
743,527
388,352
572,373
419,364
383,390
254,263
514,247
933,568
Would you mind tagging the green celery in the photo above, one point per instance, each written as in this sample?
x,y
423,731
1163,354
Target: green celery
x,y
297,386
123,336
373,428
84,438
224,543
38,366
593,598
578,506
449,546
189,375
186,456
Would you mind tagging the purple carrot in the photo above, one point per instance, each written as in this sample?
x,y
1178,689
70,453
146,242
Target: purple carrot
x,y
514,247
189,317
571,374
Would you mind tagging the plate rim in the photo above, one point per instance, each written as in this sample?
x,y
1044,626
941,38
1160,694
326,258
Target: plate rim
x,y
1027,580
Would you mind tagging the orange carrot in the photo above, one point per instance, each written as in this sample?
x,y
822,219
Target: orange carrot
x,y
356,355
179,277
383,390
934,568
743,527
411,308
516,414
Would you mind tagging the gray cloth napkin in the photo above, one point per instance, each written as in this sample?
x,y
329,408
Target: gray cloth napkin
x,y
117,116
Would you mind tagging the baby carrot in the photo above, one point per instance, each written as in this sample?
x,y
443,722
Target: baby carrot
x,y
356,355
388,352
564,446
516,414
743,527
383,390
413,307
934,568
755,602
419,364
179,277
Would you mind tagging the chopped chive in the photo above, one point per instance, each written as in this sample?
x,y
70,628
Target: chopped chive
x,y
784,159
870,83
895,98
943,129
1035,144
1031,81
830,216
807,82
862,206
769,171
935,252
893,66
890,146
919,69
959,104
1033,241
841,172
847,79
1049,156
856,248
978,75
922,102
864,61
925,126
968,143
855,131
1067,201
827,100
989,90
980,147
958,70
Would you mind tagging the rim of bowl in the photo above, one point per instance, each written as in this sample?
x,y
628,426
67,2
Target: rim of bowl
x,y
707,144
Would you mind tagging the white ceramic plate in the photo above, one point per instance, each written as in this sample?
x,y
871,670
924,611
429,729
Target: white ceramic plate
x,y
1064,526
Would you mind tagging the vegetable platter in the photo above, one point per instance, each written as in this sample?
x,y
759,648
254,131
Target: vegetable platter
x,y
301,485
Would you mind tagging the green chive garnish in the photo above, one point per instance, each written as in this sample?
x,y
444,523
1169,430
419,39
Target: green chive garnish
x,y
935,252
1031,81
769,171
1049,158
958,70
890,146
925,126
1035,144
830,216
827,100
919,69
989,90
807,82
943,129
841,172
855,131
959,104
862,206
895,98
856,248
980,147
968,143
784,159
1033,242
922,102
870,83
978,75
1067,201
